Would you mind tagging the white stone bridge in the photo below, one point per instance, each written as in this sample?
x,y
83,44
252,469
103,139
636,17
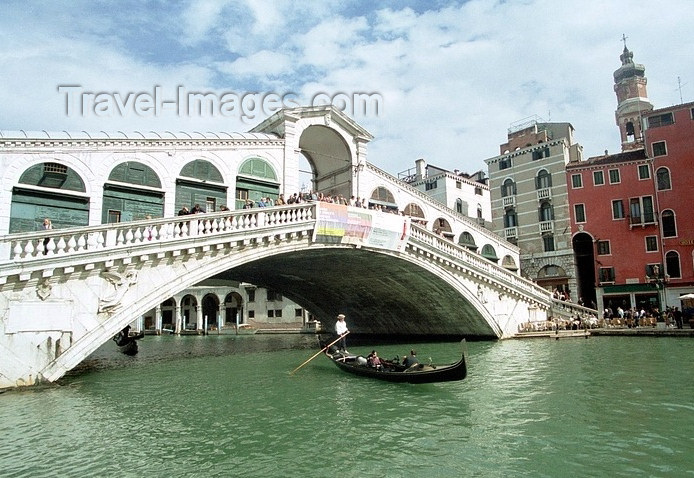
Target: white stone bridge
x,y
60,301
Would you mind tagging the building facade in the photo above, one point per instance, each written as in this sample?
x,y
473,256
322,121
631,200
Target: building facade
x,y
632,226
529,200
466,194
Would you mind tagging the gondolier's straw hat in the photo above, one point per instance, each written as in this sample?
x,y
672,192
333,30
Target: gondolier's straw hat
x,y
341,316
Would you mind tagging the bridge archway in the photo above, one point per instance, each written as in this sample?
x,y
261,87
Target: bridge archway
x,y
330,159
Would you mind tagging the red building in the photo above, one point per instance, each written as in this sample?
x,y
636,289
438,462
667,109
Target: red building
x,y
669,140
631,217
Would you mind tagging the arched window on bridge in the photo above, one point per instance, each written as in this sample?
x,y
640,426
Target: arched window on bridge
x,y
489,253
509,263
256,179
60,196
443,228
384,198
416,213
200,182
132,192
467,240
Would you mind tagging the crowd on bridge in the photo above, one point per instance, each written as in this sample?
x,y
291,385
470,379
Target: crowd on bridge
x,y
298,198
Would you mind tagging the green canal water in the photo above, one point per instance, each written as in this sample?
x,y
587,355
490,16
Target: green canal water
x,y
228,406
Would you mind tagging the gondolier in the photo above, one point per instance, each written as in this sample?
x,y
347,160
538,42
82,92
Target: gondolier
x,y
341,330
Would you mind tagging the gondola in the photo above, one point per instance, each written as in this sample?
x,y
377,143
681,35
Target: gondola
x,y
392,371
127,343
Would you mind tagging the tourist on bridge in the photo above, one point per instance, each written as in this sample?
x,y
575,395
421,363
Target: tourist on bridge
x,y
341,330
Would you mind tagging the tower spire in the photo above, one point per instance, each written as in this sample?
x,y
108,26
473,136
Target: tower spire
x,y
632,99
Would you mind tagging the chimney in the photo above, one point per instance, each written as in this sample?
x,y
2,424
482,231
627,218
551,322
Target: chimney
x,y
421,166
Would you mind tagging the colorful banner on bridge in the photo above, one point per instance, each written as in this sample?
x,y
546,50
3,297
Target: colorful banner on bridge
x,y
339,224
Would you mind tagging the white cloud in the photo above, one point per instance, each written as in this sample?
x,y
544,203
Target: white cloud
x,y
452,80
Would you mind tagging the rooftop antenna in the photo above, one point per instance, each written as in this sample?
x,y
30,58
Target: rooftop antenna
x,y
679,87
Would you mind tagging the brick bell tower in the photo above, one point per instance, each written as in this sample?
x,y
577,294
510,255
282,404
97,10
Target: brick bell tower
x,y
632,100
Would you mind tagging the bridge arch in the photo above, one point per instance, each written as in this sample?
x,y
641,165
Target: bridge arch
x,y
329,155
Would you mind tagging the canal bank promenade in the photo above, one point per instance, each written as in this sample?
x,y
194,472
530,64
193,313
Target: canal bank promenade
x,y
611,332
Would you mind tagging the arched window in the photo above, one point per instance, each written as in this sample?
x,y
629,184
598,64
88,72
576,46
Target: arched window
x,y
202,170
125,200
672,264
383,197
62,198
663,179
510,218
134,172
461,207
256,179
258,168
488,252
466,240
546,212
630,131
508,188
543,180
509,263
669,225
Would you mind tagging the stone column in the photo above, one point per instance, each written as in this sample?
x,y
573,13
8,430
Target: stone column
x,y
177,314
198,316
157,319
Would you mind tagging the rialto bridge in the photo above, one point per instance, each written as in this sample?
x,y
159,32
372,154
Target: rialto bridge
x,y
117,249
60,301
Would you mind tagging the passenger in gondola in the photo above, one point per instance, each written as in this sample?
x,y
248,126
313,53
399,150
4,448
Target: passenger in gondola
x,y
373,360
411,359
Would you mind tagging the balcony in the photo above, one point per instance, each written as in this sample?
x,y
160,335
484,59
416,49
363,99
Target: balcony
x,y
546,226
544,193
508,201
510,232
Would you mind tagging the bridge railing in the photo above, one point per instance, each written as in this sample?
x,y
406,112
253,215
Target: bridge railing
x,y
563,308
478,263
469,222
45,244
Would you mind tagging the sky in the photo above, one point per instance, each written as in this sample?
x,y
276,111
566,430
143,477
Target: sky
x,y
439,80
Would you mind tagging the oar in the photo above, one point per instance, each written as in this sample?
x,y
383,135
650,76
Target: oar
x,y
318,353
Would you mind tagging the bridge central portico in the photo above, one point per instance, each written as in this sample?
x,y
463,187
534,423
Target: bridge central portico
x,y
63,293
